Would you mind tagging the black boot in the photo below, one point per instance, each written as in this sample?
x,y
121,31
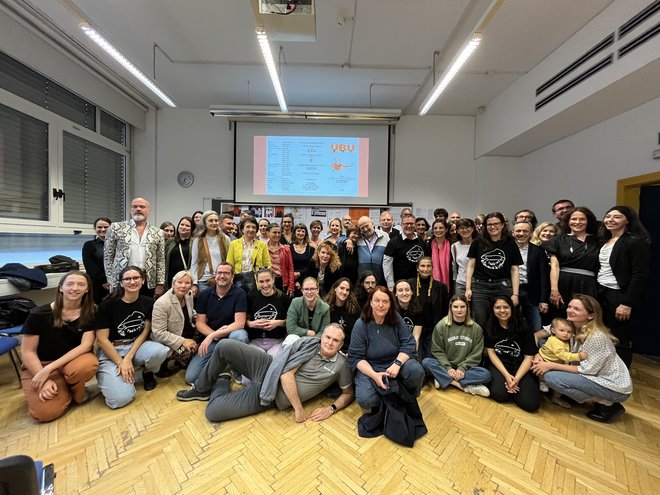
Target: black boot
x,y
606,414
150,382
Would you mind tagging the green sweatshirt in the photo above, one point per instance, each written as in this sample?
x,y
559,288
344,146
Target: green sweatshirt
x,y
457,346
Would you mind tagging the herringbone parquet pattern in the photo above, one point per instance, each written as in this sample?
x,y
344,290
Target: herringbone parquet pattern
x,y
474,446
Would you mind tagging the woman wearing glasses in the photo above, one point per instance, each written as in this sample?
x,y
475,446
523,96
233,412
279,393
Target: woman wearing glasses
x,y
308,315
125,325
492,268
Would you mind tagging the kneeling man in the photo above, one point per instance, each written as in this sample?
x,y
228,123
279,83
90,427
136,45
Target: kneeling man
x,y
299,372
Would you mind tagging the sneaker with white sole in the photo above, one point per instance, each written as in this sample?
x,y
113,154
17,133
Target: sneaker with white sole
x,y
480,390
192,394
543,387
436,384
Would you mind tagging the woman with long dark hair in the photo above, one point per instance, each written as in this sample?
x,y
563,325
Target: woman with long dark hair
x,y
405,303
92,256
573,257
382,349
177,250
349,257
57,349
492,270
624,263
281,262
511,348
301,253
344,308
125,325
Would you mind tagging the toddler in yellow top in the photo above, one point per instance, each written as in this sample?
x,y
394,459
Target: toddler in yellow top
x,y
557,349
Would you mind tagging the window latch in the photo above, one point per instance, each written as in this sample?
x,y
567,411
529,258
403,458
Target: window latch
x,y
59,194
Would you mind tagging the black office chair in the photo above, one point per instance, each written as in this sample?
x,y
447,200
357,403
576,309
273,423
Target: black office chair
x,y
20,475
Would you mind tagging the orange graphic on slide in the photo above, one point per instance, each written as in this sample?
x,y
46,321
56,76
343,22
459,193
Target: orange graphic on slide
x,y
338,166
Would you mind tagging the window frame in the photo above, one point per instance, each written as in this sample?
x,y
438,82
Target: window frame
x,y
57,125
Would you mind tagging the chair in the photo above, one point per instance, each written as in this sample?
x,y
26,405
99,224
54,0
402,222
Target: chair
x,y
20,474
8,345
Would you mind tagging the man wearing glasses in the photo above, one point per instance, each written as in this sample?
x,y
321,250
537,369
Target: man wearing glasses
x,y
402,253
221,313
559,209
371,248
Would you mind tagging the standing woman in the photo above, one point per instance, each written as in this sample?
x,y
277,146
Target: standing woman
x,y
196,220
281,262
301,253
56,349
209,249
624,263
573,257
479,223
247,254
467,233
433,297
173,322
168,230
349,256
177,250
125,325
343,308
382,349
324,267
92,256
441,253
315,229
405,303
544,232
263,230
287,228
335,231
511,348
602,378
492,270
422,227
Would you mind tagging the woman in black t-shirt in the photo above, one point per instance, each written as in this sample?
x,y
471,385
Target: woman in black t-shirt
x,y
266,318
125,325
492,268
511,348
344,308
57,343
406,305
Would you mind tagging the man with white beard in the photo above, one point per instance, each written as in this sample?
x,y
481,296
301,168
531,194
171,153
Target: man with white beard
x,y
136,243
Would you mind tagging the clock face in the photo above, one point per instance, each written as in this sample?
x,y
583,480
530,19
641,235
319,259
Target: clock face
x,y
185,179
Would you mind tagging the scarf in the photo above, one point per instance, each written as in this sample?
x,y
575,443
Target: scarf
x,y
440,259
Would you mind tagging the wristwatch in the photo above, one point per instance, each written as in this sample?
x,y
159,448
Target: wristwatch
x,y
398,363
333,406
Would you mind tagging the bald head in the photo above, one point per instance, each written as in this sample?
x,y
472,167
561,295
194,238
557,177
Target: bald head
x,y
366,226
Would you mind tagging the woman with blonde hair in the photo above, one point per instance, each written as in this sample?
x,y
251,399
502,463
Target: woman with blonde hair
x,y
544,232
324,267
209,249
602,378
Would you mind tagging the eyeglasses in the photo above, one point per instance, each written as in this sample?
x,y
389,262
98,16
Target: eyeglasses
x,y
226,274
310,289
131,279
493,225
408,224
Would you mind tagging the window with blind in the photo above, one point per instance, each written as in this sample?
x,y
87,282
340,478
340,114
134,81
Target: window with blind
x,y
63,160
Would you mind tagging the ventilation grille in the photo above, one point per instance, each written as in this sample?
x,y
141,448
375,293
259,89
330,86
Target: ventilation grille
x,y
606,45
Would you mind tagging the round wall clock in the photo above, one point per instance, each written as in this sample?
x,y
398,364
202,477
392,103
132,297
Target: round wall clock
x,y
185,178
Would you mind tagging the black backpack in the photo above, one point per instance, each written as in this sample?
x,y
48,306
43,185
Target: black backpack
x,y
14,310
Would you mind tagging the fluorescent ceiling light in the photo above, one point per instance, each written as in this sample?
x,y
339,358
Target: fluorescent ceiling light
x,y
449,74
308,114
127,64
270,64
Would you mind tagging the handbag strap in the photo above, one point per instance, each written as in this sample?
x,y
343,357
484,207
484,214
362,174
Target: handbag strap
x,y
208,255
183,258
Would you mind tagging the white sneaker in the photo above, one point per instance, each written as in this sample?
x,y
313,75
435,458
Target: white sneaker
x,y
481,390
436,384
543,387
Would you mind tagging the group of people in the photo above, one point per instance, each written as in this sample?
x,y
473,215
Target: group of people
x,y
289,314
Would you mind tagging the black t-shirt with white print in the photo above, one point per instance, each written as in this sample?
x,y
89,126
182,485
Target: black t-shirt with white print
x,y
262,307
126,321
494,263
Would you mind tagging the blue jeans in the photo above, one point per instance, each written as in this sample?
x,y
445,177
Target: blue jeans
x,y
116,391
197,363
473,376
579,388
411,376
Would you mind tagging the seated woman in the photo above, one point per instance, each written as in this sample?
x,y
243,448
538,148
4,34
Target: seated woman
x,y
247,254
266,315
511,348
405,303
458,345
433,298
308,315
125,324
602,378
343,308
324,267
173,322
382,349
92,256
56,349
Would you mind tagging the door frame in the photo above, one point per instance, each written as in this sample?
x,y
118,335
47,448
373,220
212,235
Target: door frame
x,y
627,190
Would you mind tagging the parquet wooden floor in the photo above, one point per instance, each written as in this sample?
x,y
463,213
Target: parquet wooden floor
x,y
474,446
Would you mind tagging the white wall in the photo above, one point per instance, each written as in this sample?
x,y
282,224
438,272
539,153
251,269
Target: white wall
x,y
584,167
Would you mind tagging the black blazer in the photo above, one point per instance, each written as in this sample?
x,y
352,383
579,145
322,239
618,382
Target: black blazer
x,y
538,275
630,261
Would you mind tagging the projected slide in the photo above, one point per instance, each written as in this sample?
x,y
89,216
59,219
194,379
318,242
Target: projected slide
x,y
311,166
